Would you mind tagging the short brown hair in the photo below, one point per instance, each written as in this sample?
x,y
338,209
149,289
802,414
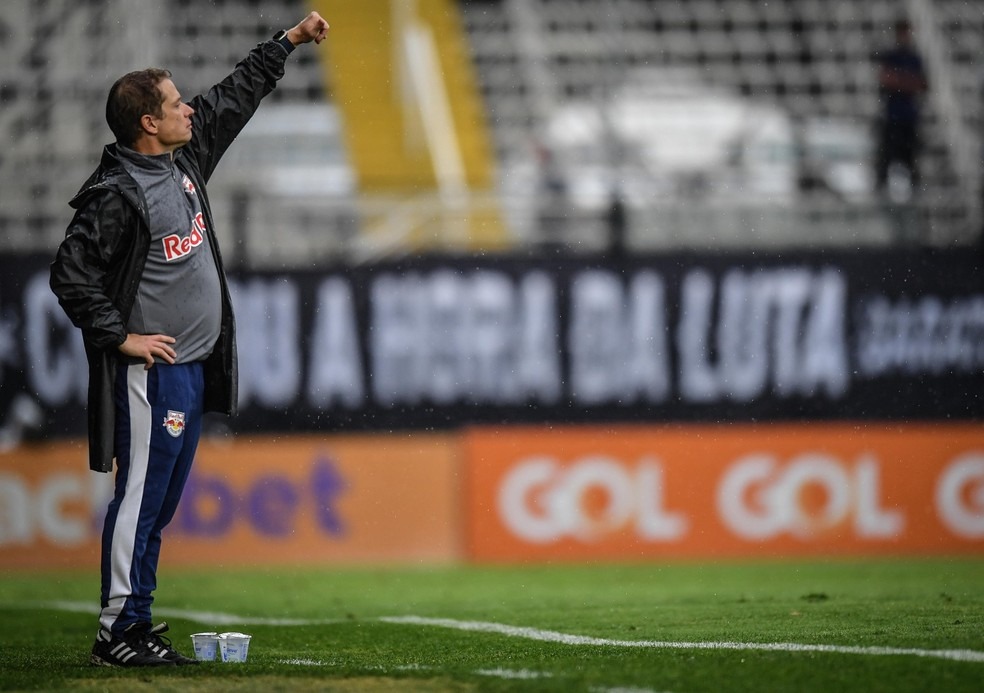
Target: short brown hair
x,y
133,96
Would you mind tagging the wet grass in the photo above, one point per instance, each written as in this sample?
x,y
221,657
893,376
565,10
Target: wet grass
x,y
924,605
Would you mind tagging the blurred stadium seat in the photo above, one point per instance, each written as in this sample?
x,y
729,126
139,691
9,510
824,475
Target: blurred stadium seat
x,y
614,71
809,59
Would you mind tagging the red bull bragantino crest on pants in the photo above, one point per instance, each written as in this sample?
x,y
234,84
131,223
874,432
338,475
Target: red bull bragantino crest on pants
x,y
174,422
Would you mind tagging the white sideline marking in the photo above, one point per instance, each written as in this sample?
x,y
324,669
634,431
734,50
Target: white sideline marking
x,y
565,639
500,673
218,618
206,617
514,673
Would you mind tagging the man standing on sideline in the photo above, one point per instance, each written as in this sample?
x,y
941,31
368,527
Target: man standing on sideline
x,y
140,273
901,83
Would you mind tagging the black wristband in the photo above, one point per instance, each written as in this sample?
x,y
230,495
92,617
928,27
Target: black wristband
x,y
281,38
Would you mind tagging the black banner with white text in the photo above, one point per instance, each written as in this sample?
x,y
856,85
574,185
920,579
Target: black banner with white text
x,y
438,342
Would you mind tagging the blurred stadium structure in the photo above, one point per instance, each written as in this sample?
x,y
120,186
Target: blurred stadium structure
x,y
715,123
818,390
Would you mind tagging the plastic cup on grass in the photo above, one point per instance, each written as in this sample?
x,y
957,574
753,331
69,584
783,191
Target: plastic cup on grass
x,y
234,647
206,646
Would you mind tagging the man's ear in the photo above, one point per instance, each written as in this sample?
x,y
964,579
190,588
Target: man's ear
x,y
149,124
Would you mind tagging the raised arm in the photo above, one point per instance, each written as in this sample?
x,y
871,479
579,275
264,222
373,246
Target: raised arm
x,y
222,112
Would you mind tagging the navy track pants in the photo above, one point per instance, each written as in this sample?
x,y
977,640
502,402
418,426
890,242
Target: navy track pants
x,y
158,424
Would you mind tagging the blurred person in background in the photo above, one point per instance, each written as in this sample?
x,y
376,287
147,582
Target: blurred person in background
x,y
140,273
901,85
552,200
617,220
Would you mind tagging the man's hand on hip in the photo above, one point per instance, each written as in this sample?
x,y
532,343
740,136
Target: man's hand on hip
x,y
149,346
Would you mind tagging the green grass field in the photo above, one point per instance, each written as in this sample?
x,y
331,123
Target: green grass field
x,y
678,627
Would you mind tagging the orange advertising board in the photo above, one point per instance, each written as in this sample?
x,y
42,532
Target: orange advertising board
x,y
703,491
51,506
300,499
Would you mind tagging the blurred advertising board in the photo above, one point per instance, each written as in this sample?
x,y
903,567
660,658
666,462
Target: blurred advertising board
x,y
698,491
249,501
440,342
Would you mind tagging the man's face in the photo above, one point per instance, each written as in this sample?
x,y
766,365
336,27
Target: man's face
x,y
174,126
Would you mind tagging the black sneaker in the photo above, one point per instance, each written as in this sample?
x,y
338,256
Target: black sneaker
x,y
158,644
127,651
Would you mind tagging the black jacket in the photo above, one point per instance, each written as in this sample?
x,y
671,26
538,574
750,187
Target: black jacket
x,y
98,266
